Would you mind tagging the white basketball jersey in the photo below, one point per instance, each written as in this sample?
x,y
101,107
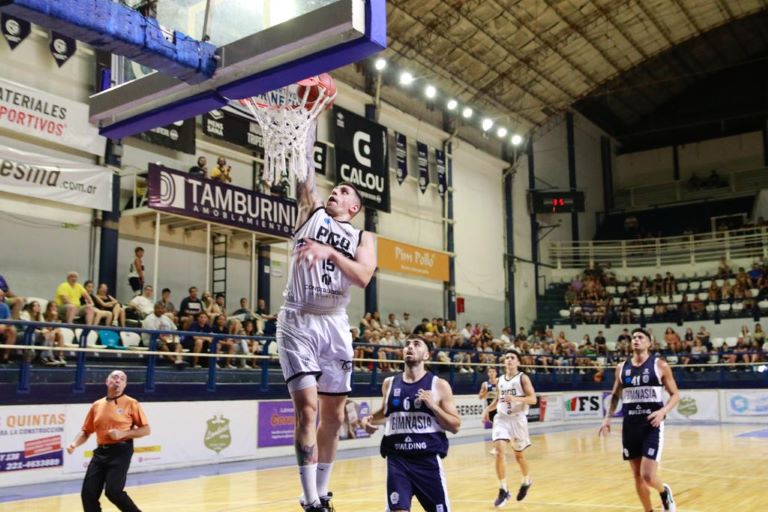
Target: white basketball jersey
x,y
514,387
321,287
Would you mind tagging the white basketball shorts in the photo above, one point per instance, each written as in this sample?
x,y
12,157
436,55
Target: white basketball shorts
x,y
319,345
512,428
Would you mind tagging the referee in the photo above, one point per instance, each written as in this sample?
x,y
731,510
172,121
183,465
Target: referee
x,y
117,420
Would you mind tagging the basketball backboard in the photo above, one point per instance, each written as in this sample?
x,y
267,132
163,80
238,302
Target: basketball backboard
x,y
261,45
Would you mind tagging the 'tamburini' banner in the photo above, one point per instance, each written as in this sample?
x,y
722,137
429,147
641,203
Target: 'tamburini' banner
x,y
415,261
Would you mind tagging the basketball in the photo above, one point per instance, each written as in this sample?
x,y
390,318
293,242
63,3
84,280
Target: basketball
x,y
312,86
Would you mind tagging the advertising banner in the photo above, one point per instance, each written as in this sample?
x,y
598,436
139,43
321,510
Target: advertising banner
x,y
697,406
554,408
181,432
213,201
746,403
48,117
582,405
31,437
234,128
362,157
46,177
415,261
276,419
470,409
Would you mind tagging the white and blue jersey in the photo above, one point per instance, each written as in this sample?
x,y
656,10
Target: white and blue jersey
x,y
642,394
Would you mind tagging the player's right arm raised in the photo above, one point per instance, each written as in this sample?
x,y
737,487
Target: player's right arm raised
x,y
306,194
605,428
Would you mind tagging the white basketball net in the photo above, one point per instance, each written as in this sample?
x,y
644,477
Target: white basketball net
x,y
285,120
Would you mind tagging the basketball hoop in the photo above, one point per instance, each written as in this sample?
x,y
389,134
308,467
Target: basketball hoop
x,y
286,116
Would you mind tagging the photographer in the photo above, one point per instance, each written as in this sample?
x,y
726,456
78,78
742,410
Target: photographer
x,y
222,171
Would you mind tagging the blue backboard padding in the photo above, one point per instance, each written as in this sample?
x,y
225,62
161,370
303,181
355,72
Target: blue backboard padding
x,y
374,40
189,107
115,28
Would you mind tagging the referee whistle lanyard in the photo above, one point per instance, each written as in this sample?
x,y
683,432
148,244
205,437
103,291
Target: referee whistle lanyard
x,y
114,399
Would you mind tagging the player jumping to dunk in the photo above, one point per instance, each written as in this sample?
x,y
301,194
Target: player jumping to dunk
x,y
638,383
313,337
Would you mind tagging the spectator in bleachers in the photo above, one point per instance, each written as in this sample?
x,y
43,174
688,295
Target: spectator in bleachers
x,y
375,322
136,271
669,284
200,170
741,351
393,323
141,305
694,182
227,345
726,291
723,269
713,292
190,307
689,337
407,324
758,337
105,302
159,321
601,344
755,275
703,336
466,332
14,302
222,172
365,323
7,332
673,340
714,180
250,346
99,315
170,307
657,287
244,313
505,340
198,344
697,354
268,319
210,306
45,336
68,296
422,328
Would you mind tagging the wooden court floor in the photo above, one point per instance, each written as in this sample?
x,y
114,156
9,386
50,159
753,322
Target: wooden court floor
x,y
710,468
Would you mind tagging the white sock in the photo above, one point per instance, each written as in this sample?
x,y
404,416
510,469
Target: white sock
x,y
308,476
503,484
526,480
323,477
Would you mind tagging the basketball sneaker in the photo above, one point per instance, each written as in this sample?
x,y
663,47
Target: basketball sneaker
x,y
325,501
523,491
502,499
667,500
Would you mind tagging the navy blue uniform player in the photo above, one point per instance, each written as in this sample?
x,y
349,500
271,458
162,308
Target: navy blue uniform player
x,y
417,410
639,383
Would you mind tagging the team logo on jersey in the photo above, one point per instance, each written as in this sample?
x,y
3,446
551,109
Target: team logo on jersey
x,y
417,403
626,452
645,371
397,391
646,379
439,508
346,365
394,498
651,452
628,372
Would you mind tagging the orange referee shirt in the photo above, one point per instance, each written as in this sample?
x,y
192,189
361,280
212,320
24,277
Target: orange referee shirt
x,y
122,413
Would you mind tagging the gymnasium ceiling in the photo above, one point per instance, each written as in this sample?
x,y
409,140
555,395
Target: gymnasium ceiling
x,y
525,62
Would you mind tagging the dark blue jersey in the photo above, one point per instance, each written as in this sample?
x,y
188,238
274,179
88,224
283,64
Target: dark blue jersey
x,y
641,389
412,429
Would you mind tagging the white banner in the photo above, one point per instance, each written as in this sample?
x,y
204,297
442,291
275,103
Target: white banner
x,y
45,116
182,432
582,405
31,440
746,403
46,177
554,407
470,409
696,406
